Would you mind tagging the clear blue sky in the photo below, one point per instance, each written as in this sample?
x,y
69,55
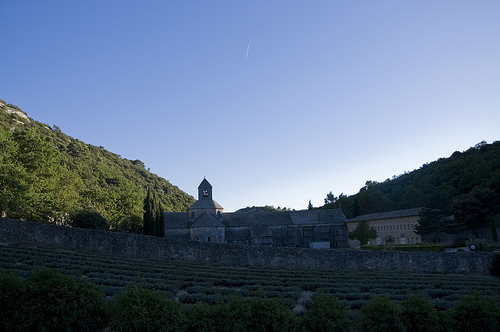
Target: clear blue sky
x,y
275,102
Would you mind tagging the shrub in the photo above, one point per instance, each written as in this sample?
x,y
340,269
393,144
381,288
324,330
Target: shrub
x,y
140,309
56,302
380,314
418,314
407,247
89,218
11,289
325,313
474,313
269,315
495,266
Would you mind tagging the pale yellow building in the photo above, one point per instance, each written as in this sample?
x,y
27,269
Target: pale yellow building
x,y
393,227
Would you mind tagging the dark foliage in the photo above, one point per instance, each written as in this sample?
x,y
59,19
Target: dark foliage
x,y
466,185
475,313
46,176
89,218
52,301
140,309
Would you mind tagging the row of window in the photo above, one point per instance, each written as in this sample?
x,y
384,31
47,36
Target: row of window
x,y
380,228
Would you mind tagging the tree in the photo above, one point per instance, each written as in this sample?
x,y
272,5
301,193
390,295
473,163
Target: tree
x,y
269,314
56,302
140,309
330,199
89,218
419,315
380,314
474,313
473,209
325,313
11,290
309,206
363,233
154,223
435,221
149,214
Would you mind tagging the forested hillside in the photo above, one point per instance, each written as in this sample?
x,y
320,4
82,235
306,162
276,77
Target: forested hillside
x,y
46,175
465,185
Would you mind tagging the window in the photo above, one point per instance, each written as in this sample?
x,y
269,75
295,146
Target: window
x,y
209,239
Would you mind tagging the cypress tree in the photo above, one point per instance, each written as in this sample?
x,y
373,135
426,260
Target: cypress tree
x,y
160,220
154,223
148,215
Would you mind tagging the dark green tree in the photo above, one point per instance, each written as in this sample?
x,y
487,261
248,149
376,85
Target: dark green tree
x,y
269,315
419,315
56,302
474,313
11,291
435,221
330,199
149,214
140,309
473,209
325,313
363,233
154,223
380,314
89,218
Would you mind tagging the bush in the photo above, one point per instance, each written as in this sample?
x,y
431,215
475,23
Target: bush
x,y
407,247
140,309
495,266
418,315
11,290
56,302
325,313
380,314
269,315
474,313
89,218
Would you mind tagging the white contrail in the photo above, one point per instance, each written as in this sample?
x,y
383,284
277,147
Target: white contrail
x,y
249,40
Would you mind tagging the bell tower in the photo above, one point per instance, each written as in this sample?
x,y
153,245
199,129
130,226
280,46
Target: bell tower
x,y
204,190
205,203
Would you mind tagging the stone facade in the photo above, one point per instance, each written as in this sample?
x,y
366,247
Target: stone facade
x,y
393,227
206,222
142,246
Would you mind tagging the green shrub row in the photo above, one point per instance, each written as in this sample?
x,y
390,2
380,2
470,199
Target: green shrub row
x,y
207,281
51,301
407,247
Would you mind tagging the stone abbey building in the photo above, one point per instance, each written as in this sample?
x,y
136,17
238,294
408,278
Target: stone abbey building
x,y
205,221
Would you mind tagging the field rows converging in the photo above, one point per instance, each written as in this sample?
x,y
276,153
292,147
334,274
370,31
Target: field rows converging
x,y
192,282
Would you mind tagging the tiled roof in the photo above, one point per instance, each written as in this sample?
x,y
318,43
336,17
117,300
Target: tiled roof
x,y
205,204
238,234
387,215
263,218
206,220
285,218
314,217
176,219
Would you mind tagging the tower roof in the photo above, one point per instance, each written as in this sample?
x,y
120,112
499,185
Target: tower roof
x,y
204,184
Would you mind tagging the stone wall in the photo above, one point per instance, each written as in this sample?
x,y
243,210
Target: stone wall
x,y
130,245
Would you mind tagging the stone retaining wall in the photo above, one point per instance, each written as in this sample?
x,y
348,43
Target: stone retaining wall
x,y
131,245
